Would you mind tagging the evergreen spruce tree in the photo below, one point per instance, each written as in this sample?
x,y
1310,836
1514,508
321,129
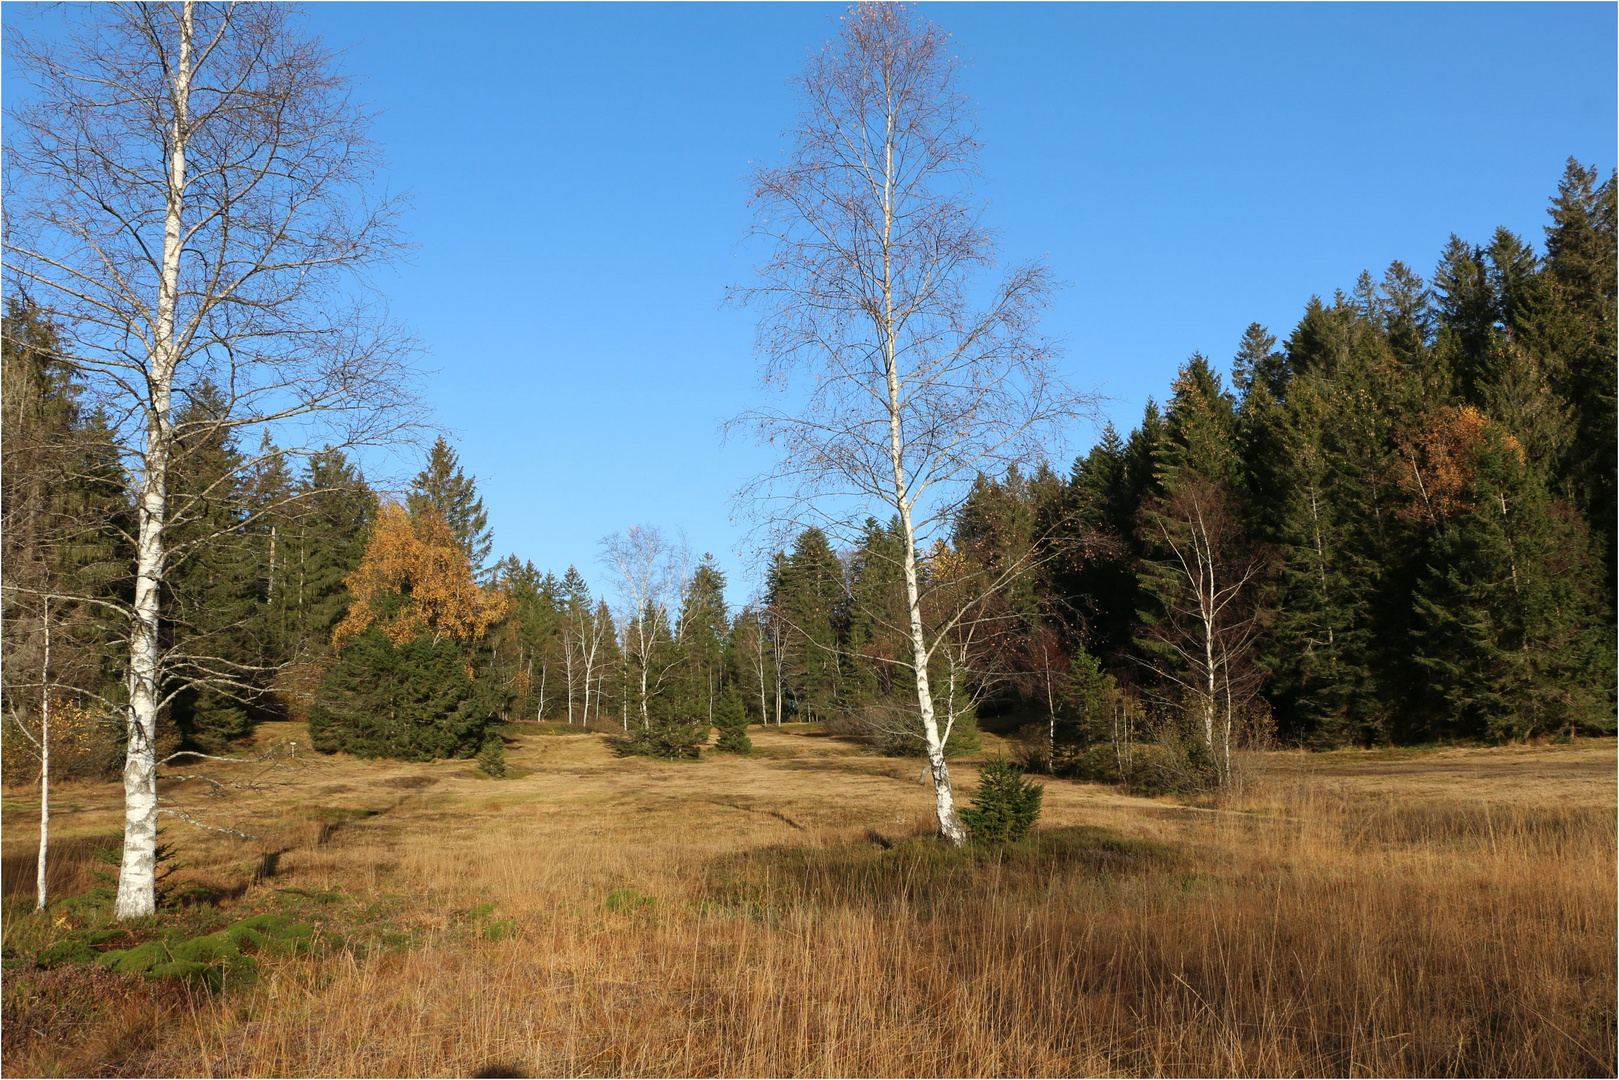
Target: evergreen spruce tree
x,y
442,485
1578,321
1510,632
875,621
66,519
407,678
704,626
1006,805
1085,711
731,718
1257,363
809,596
331,523
414,701
216,626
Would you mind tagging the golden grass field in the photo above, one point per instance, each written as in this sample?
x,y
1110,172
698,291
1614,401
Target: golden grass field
x,y
1435,912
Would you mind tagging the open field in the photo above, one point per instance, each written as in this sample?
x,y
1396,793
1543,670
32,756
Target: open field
x,y
1437,912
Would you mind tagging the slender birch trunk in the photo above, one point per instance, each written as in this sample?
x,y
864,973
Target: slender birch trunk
x,y
41,896
1051,714
944,799
137,886
567,660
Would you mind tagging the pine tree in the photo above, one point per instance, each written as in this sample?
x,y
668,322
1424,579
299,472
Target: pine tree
x,y
704,626
330,524
414,700
64,536
1580,320
809,595
528,645
1199,428
403,681
219,652
731,718
1257,363
1085,710
1097,583
1509,630
443,486
874,622
1005,806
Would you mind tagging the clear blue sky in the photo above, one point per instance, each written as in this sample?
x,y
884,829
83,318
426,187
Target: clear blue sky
x,y
577,179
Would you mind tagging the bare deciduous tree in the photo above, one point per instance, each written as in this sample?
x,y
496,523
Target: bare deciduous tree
x,y
1209,612
652,574
187,198
914,381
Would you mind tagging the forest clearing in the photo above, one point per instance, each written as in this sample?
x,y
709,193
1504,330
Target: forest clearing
x,y
1400,912
729,591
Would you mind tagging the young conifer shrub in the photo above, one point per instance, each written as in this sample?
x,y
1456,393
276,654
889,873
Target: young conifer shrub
x,y
731,718
492,758
415,701
1006,804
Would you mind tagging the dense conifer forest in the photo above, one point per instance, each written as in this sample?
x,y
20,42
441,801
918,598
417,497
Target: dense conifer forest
x,y
1393,523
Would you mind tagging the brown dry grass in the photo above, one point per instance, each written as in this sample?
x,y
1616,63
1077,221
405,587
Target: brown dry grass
x,y
1436,913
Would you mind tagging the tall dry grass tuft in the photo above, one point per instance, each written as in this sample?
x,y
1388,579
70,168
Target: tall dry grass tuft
x,y
698,921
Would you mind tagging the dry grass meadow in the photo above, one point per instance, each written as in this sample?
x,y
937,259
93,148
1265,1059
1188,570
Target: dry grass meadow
x,y
1439,912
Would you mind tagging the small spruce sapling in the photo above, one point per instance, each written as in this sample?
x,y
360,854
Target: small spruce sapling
x,y
731,718
1006,804
492,757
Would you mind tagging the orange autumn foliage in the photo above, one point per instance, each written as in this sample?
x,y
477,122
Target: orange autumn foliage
x,y
420,563
1442,456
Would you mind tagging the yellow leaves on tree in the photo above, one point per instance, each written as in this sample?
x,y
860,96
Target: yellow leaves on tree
x,y
415,579
1441,458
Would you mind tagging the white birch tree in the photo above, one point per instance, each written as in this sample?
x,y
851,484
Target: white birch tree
x,y
901,379
188,198
652,574
1202,629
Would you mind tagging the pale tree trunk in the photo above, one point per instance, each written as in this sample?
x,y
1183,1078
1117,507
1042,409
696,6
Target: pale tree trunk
x,y
944,799
1207,599
584,663
759,665
1051,714
775,661
568,675
41,896
137,874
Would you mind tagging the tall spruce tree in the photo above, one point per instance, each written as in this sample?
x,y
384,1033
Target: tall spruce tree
x,y
216,631
704,626
808,594
1509,629
443,486
64,539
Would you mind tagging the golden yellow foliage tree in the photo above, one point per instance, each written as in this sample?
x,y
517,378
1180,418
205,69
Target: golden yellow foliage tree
x,y
1441,455
415,579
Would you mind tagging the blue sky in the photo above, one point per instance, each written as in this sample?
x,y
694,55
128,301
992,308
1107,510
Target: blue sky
x,y
579,205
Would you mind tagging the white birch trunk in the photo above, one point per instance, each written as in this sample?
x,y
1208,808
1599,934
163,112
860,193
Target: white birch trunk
x,y
137,884
567,659
41,895
944,799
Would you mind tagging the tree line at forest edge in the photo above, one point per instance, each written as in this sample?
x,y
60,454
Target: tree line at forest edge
x,y
1395,525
